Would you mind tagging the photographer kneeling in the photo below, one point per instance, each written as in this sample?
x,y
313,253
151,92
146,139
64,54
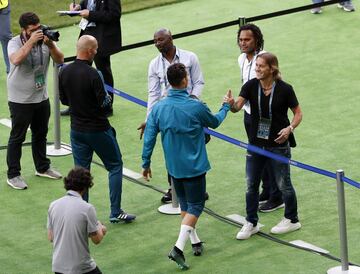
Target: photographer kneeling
x,y
29,55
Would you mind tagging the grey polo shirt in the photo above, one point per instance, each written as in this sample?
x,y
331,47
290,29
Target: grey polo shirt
x,y
71,220
21,78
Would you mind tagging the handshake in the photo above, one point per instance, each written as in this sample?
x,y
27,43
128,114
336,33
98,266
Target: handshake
x,y
228,98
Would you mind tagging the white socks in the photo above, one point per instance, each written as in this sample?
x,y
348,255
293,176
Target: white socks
x,y
185,232
194,237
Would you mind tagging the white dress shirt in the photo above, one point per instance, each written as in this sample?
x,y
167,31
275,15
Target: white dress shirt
x,y
247,72
158,85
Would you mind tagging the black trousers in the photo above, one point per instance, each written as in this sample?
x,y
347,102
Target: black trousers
x,y
104,65
22,116
95,271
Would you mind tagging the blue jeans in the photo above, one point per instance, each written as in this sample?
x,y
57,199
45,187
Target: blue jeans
x,y
105,145
255,164
269,186
5,34
191,194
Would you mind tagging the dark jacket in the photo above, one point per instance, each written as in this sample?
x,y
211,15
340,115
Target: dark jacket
x,y
81,88
108,30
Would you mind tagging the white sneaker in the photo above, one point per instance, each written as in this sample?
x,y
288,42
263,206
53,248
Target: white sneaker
x,y
246,231
316,10
285,226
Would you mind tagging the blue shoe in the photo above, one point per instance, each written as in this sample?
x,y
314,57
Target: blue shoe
x,y
123,217
178,257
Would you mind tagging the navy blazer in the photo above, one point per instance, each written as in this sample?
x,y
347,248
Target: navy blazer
x,y
108,29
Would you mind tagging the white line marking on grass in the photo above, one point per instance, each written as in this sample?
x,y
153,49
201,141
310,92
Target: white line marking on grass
x,y
310,246
7,122
132,174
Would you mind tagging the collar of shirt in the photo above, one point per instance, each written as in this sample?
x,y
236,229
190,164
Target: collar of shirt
x,y
176,57
73,193
178,92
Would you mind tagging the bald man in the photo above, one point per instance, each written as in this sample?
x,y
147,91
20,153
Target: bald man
x,y
82,88
158,84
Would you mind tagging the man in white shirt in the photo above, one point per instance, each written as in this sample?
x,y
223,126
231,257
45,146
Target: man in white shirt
x,y
251,43
158,84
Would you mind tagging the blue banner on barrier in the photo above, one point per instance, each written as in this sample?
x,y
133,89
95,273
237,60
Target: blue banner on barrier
x,y
247,146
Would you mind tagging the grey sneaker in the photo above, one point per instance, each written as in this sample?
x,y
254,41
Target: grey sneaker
x,y
17,183
50,173
346,6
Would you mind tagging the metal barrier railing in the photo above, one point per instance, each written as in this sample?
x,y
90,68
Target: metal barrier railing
x,y
57,149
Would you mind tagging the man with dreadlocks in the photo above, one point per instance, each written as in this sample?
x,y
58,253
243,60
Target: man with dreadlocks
x,y
251,43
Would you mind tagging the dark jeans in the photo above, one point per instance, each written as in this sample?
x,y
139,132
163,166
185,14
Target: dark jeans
x,y
104,65
191,193
105,145
269,187
255,164
95,271
22,116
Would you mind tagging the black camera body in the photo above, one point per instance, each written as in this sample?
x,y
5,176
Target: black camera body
x,y
49,33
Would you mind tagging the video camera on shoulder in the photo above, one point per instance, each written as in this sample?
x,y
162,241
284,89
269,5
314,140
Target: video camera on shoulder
x,y
49,33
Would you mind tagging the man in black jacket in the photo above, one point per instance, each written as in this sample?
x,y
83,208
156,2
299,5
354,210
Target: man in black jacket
x,y
101,19
81,88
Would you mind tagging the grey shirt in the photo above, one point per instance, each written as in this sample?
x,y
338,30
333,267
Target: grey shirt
x,y
21,78
71,220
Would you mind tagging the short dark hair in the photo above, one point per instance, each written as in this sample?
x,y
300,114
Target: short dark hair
x,y
257,35
78,179
176,73
28,18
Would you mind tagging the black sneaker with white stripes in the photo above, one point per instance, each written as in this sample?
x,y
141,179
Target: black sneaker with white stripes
x,y
123,217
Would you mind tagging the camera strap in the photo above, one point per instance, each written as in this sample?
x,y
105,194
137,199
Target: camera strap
x,y
39,46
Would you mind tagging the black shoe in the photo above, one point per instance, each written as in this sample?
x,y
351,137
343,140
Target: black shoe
x,y
271,206
207,138
178,256
167,198
65,112
197,248
123,217
263,198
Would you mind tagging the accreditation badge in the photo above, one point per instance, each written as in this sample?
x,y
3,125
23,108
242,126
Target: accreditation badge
x,y
264,126
83,23
39,80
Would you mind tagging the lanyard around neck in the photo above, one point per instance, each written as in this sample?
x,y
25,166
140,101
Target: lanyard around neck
x,y
270,100
164,66
23,41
